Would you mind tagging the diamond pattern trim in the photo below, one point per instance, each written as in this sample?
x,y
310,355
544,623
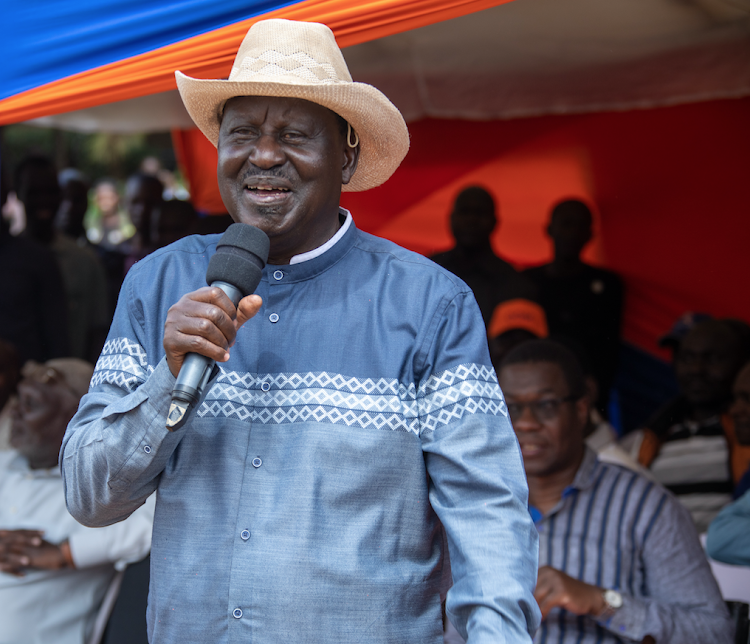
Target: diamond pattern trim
x,y
366,403
122,363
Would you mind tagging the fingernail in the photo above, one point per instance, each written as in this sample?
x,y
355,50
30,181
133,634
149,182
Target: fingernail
x,y
36,541
24,561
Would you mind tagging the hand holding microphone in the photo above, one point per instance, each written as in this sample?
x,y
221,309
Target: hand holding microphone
x,y
203,324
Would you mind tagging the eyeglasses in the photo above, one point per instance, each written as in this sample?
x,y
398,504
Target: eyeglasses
x,y
542,410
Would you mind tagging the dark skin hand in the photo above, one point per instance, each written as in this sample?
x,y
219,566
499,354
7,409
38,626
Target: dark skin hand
x,y
555,588
22,550
205,322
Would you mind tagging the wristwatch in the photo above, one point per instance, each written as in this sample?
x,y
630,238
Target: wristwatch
x,y
612,601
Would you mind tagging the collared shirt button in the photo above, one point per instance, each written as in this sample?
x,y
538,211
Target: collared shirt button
x,y
265,386
257,462
245,535
237,613
277,275
147,449
274,317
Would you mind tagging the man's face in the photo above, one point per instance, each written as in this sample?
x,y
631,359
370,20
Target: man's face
x,y
282,162
570,232
740,409
39,419
549,428
41,195
472,222
706,364
141,198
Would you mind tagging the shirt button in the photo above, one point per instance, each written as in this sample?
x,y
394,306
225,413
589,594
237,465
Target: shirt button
x,y
245,535
265,386
257,462
147,449
274,317
237,613
277,275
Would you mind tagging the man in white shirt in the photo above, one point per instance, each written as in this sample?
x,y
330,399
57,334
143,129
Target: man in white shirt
x,y
54,572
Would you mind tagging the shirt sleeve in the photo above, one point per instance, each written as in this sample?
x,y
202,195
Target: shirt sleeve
x,y
120,544
727,539
117,444
477,482
682,602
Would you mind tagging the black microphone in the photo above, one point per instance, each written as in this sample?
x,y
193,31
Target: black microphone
x,y
236,269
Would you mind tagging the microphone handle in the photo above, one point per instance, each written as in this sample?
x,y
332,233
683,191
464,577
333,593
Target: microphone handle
x,y
195,372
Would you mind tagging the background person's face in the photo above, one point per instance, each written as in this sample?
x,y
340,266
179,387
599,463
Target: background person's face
x,y
39,420
106,198
705,365
570,232
282,162
547,445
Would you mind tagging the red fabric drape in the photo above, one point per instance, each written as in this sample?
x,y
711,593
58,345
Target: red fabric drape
x,y
670,188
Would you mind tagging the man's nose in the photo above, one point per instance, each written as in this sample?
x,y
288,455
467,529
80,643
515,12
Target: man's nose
x,y
526,421
267,152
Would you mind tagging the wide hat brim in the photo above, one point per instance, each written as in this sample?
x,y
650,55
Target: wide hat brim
x,y
382,132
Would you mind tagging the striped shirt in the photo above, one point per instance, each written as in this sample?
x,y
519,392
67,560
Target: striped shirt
x,y
616,529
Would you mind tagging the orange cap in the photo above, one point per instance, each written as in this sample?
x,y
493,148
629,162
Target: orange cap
x,y
518,314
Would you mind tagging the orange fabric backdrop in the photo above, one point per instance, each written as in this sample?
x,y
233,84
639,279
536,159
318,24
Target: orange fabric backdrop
x,y
669,186
210,55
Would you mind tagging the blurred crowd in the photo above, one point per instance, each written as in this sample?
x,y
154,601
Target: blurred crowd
x,y
68,245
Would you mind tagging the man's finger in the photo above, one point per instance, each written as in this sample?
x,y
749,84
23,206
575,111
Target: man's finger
x,y
247,308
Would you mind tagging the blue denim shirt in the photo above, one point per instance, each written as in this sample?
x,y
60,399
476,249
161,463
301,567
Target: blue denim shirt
x,y
302,500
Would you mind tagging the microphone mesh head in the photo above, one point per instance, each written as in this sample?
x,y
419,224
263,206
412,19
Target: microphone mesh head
x,y
240,256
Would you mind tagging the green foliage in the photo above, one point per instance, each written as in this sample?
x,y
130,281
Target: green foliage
x,y
97,155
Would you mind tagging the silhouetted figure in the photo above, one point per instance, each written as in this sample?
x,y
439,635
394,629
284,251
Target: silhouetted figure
x,y
493,280
31,296
176,219
686,444
581,302
73,207
82,273
143,202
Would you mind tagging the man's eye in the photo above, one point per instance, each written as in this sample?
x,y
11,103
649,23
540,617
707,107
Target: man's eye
x,y
547,406
514,409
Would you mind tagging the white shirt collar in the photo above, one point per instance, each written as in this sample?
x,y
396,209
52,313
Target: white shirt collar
x,y
316,252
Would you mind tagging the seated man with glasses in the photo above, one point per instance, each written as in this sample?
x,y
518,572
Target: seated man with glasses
x,y
619,558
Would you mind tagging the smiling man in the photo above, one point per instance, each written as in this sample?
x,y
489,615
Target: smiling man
x,y
355,411
619,558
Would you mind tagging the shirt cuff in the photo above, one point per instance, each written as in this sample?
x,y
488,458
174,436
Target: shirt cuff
x,y
628,620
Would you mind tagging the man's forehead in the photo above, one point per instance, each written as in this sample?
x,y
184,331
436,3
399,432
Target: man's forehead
x,y
527,377
277,106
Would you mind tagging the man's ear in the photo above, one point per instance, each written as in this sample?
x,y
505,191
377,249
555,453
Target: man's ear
x,y
583,409
351,158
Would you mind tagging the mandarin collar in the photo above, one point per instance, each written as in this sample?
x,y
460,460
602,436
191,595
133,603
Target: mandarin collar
x,y
313,267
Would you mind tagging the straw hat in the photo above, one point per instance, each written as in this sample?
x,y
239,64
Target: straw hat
x,y
286,58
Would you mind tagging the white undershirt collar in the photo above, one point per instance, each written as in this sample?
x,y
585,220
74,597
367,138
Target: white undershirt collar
x,y
316,252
